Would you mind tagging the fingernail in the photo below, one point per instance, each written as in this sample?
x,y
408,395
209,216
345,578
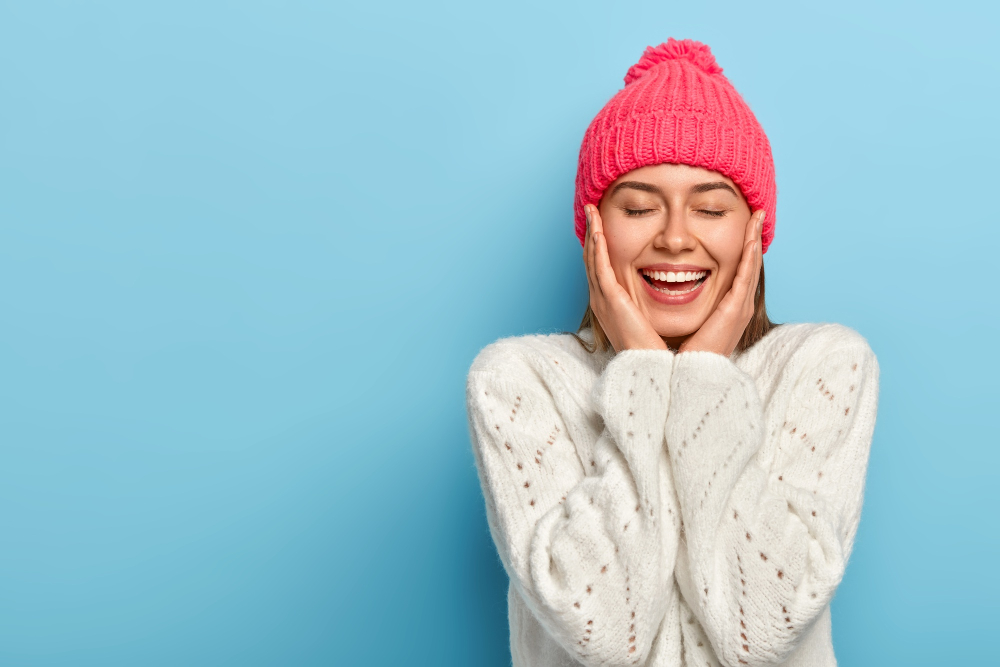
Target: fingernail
x,y
586,210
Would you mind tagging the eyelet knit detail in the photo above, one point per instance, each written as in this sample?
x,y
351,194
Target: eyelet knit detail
x,y
651,508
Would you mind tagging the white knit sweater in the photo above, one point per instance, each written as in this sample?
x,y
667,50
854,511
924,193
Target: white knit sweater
x,y
665,509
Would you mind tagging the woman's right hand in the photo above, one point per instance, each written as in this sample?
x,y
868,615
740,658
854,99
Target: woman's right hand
x,y
626,327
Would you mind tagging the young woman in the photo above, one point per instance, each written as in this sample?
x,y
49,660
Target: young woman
x,y
680,482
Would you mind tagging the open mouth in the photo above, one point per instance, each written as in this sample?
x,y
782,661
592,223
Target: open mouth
x,y
674,283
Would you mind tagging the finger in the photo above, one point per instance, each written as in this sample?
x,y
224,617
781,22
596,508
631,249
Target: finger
x,y
588,252
744,272
745,282
750,230
605,274
598,249
593,255
596,223
758,256
759,228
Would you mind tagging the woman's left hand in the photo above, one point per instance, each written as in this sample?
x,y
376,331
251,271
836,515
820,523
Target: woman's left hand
x,y
723,329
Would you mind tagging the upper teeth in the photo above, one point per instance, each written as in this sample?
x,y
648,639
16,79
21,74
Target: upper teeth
x,y
675,277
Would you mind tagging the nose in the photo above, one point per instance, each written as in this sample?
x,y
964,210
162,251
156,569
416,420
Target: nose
x,y
675,235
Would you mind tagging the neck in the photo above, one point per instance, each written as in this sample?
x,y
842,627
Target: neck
x,y
675,343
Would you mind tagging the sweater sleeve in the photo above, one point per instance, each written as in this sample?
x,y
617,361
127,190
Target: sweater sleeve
x,y
583,541
764,543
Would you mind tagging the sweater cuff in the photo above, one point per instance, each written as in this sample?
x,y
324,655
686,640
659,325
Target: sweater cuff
x,y
707,370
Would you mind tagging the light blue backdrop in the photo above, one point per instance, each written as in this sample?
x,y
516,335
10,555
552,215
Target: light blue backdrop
x,y
249,249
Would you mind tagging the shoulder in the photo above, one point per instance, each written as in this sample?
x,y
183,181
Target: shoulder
x,y
516,355
792,348
501,354
547,367
810,339
533,359
823,336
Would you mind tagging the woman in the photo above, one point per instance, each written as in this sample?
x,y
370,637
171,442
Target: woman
x,y
680,482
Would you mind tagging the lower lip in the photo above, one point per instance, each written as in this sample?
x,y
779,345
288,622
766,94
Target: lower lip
x,y
673,299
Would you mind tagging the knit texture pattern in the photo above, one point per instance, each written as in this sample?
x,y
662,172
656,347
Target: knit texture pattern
x,y
677,107
661,509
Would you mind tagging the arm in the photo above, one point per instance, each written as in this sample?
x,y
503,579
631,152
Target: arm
x,y
584,542
766,543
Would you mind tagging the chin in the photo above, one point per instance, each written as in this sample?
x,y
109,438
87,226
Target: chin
x,y
677,328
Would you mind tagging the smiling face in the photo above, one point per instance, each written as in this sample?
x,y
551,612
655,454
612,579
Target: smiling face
x,y
675,235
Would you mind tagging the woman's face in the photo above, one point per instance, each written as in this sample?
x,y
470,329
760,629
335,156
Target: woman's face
x,y
675,235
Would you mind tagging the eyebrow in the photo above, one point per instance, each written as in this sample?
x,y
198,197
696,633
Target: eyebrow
x,y
649,187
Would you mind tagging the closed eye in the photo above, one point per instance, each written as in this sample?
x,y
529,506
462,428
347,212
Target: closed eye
x,y
637,211
717,214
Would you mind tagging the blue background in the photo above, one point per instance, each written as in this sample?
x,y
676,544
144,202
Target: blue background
x,y
249,249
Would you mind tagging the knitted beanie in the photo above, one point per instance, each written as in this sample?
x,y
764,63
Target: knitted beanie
x,y
677,107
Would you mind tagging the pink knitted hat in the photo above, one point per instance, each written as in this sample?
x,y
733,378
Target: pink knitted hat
x,y
677,107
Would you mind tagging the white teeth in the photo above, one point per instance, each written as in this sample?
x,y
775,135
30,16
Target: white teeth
x,y
676,292
675,277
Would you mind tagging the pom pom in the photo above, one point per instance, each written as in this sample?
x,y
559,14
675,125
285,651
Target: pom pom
x,y
685,49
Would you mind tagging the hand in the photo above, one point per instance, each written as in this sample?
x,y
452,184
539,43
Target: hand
x,y
626,327
723,329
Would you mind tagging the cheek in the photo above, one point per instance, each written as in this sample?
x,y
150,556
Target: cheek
x,y
624,245
726,247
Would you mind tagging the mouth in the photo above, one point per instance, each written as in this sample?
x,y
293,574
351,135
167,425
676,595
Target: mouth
x,y
674,283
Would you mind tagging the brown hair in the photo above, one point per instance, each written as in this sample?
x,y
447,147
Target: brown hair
x,y
758,327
